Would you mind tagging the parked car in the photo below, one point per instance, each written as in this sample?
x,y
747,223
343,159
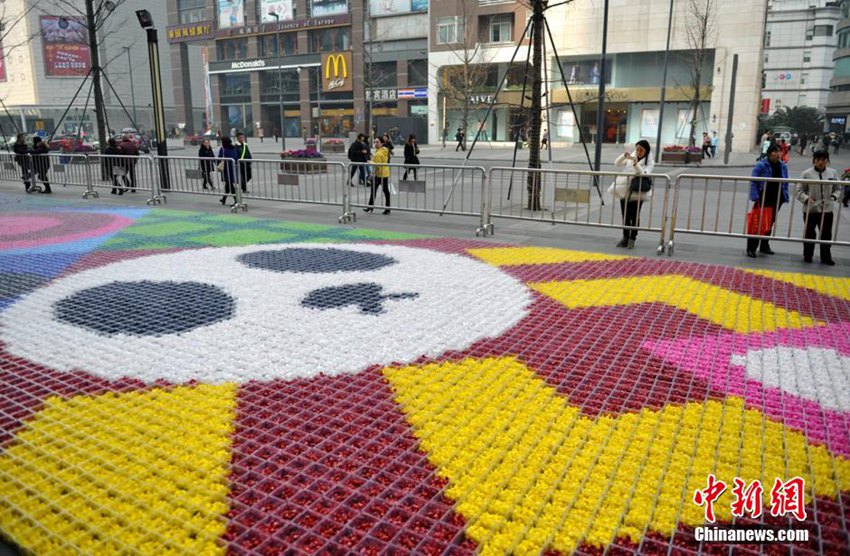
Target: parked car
x,y
140,141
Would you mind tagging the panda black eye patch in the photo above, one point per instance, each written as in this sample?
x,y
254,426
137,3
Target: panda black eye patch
x,y
367,296
315,261
146,308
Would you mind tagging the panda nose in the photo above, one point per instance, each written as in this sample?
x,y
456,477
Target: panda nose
x,y
369,297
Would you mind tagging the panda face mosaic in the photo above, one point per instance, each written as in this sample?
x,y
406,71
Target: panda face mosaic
x,y
250,313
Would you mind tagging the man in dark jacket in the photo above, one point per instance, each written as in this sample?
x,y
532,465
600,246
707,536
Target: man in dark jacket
x,y
244,157
767,195
41,162
22,159
358,154
130,149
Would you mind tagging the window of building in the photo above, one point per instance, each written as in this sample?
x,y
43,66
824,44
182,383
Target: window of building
x,y
810,32
330,40
270,85
191,11
803,78
844,38
767,38
807,56
417,73
383,74
236,85
450,30
500,28
233,49
268,44
823,30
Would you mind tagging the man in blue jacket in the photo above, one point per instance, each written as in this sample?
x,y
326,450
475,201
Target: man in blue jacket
x,y
768,194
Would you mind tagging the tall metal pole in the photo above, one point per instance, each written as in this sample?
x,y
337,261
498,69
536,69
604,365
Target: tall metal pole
x,y
320,84
727,148
132,87
158,107
658,150
95,62
276,16
600,105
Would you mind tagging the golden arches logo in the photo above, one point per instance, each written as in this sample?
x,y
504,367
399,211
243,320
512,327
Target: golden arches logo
x,y
338,62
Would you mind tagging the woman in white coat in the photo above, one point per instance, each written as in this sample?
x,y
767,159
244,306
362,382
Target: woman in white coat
x,y
632,193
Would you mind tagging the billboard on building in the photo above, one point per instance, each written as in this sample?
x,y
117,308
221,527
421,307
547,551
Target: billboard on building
x,y
283,9
379,8
336,72
65,44
328,7
231,13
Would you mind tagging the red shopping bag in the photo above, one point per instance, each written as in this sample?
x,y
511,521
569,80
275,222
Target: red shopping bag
x,y
759,220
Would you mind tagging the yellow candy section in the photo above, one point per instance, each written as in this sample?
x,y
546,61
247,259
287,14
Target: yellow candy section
x,y
731,310
529,472
506,256
144,472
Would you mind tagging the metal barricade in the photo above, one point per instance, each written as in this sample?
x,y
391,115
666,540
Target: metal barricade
x,y
69,170
123,174
43,171
293,181
720,206
10,170
572,197
428,188
192,175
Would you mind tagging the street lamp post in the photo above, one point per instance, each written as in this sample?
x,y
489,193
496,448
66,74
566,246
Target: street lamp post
x,y
146,22
132,87
276,16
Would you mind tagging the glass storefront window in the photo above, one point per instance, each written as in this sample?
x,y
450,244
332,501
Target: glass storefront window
x,y
191,11
239,117
268,45
842,68
270,89
233,49
330,40
417,73
236,85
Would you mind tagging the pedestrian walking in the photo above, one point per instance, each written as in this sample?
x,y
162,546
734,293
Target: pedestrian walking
x,y
41,162
715,142
767,198
244,158
113,165
358,154
261,134
411,156
22,159
382,175
706,145
130,150
207,163
804,140
230,155
459,137
817,202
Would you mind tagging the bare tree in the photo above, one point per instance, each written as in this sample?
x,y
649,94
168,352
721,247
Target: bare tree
x,y
700,34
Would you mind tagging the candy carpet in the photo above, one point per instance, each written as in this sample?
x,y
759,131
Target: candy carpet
x,y
188,383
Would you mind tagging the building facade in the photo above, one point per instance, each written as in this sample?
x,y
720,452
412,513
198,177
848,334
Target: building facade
x,y
799,43
329,66
838,102
494,30
46,57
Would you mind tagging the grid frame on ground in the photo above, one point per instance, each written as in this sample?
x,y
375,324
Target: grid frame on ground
x,y
176,381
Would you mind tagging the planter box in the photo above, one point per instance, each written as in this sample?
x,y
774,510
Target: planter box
x,y
293,166
676,157
333,147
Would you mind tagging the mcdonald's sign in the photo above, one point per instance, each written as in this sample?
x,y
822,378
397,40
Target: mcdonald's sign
x,y
336,72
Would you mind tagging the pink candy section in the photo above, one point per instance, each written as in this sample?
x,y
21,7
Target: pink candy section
x,y
72,223
710,358
11,226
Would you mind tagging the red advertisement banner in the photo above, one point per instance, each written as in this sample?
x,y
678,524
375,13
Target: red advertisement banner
x,y
65,46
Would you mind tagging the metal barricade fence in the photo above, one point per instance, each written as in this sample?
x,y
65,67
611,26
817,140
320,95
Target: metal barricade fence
x,y
123,174
720,206
294,181
45,170
192,175
572,197
428,188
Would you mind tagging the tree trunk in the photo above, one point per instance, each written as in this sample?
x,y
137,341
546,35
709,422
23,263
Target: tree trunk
x,y
533,181
95,74
692,141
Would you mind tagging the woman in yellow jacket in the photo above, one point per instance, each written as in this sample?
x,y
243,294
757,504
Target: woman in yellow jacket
x,y
382,174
